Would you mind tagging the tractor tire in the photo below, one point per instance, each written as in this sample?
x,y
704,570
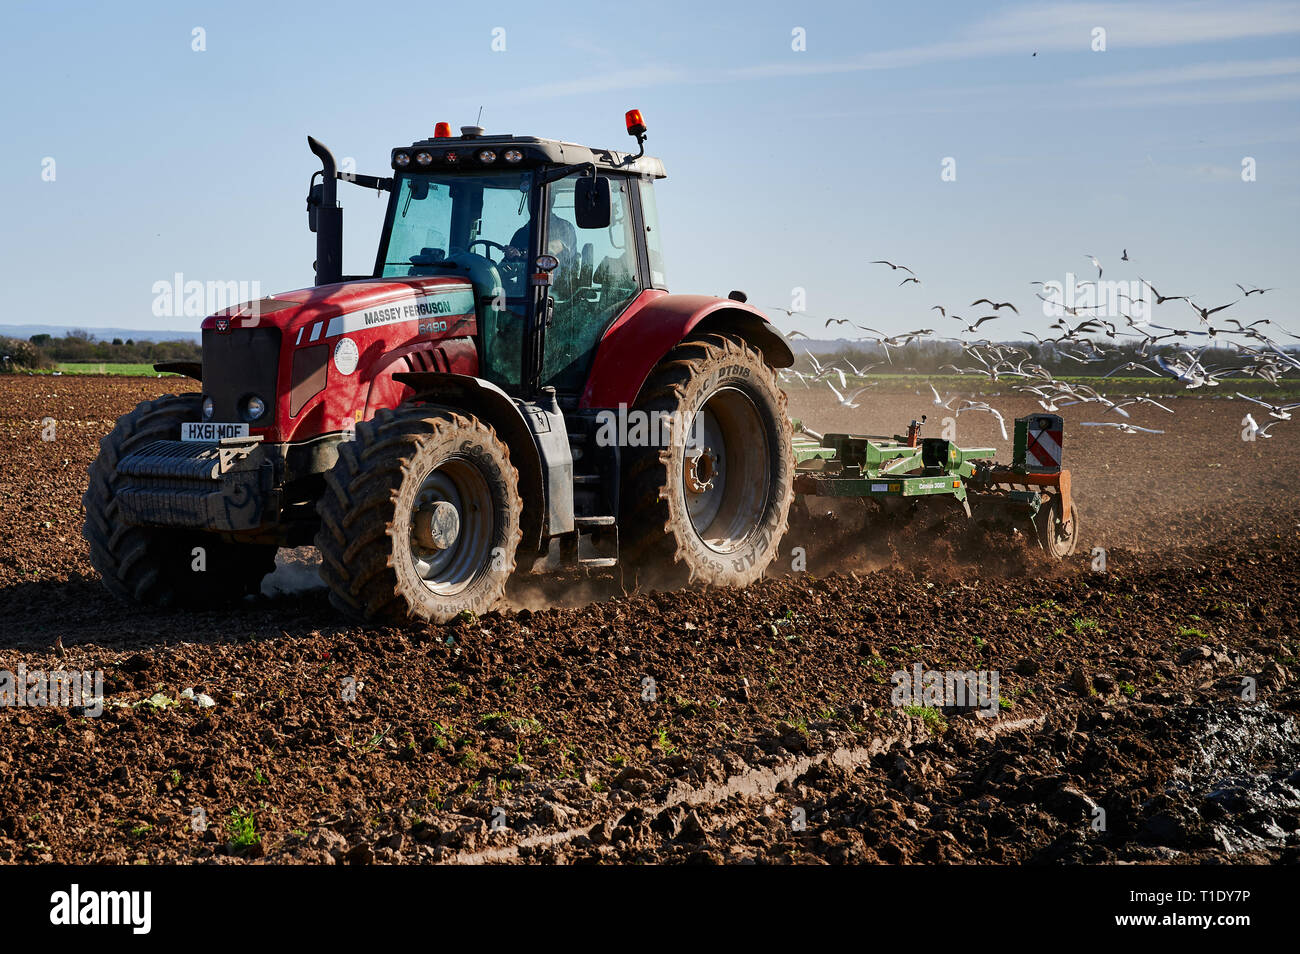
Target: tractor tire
x,y
712,506
420,518
158,566
1056,538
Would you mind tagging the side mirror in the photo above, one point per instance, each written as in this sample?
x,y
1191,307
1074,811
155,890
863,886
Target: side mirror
x,y
314,199
591,203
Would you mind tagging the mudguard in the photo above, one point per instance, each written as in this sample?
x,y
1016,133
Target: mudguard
x,y
471,395
654,324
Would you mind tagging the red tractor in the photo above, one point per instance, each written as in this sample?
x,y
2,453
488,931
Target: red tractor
x,y
512,384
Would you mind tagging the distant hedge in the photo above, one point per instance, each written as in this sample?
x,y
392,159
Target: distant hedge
x,y
44,351
16,354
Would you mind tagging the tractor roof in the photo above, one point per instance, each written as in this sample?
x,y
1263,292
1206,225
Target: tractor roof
x,y
536,152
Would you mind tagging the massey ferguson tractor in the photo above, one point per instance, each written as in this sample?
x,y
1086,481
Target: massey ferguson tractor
x,y
512,383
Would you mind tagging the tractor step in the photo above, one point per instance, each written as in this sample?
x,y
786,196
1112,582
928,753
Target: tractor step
x,y
598,562
586,523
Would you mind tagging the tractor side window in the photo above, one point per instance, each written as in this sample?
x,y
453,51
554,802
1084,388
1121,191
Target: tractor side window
x,y
597,278
653,241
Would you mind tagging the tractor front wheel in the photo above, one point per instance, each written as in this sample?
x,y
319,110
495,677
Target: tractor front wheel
x,y
712,505
420,518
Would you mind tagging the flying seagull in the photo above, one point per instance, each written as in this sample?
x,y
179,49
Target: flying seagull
x,y
1206,312
1253,290
851,400
940,402
1161,299
995,305
981,406
1121,426
1280,411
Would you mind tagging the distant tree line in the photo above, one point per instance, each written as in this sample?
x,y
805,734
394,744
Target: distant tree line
x,y
45,351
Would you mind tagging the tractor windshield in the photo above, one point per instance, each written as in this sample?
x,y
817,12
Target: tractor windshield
x,y
444,220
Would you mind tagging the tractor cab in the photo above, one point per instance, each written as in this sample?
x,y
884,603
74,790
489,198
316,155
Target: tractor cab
x,y
557,240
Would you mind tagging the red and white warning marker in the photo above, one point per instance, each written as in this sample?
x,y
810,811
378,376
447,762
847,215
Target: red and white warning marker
x,y
1043,443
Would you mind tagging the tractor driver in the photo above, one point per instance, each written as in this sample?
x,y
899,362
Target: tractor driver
x,y
562,242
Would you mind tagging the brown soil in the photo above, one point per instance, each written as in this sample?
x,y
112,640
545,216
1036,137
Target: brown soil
x,y
769,736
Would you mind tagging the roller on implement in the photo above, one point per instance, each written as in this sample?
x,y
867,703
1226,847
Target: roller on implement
x,y
1033,492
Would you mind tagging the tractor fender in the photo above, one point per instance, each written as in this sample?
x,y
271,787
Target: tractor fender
x,y
654,324
472,395
445,356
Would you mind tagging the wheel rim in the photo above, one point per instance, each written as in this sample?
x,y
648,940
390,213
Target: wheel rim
x,y
1062,538
726,470
450,537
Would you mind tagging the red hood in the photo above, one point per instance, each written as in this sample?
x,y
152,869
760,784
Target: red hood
x,y
290,311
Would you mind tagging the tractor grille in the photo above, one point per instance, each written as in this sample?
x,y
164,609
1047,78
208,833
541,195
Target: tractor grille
x,y
241,362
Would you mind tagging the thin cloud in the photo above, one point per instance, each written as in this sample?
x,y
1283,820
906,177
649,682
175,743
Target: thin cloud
x,y
1198,72
1066,28
1041,28
1272,93
642,78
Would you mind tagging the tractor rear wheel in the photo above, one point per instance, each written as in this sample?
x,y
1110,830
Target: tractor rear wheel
x,y
161,566
713,505
420,518
1055,535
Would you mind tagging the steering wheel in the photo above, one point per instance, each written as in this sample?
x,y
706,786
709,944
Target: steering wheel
x,y
496,245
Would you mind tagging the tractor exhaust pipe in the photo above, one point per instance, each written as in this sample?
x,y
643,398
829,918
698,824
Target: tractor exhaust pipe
x,y
326,217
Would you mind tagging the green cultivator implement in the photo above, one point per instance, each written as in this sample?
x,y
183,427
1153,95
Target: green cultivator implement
x,y
898,472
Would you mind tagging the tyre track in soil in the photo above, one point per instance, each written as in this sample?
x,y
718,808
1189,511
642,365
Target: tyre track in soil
x,y
756,783
538,711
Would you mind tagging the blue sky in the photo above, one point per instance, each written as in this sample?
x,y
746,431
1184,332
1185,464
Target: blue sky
x,y
786,169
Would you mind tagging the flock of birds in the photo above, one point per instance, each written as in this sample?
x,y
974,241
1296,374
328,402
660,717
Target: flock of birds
x,y
1240,348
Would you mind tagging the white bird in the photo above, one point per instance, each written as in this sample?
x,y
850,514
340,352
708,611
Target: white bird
x,y
980,406
1143,400
1193,374
1280,411
1123,427
851,400
1131,366
940,402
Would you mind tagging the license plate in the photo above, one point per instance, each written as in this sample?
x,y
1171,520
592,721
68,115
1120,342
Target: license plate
x,y
212,432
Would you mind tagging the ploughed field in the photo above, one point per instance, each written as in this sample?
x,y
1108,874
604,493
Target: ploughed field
x,y
597,722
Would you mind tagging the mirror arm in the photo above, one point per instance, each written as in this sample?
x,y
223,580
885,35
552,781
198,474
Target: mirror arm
x,y
366,182
563,171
